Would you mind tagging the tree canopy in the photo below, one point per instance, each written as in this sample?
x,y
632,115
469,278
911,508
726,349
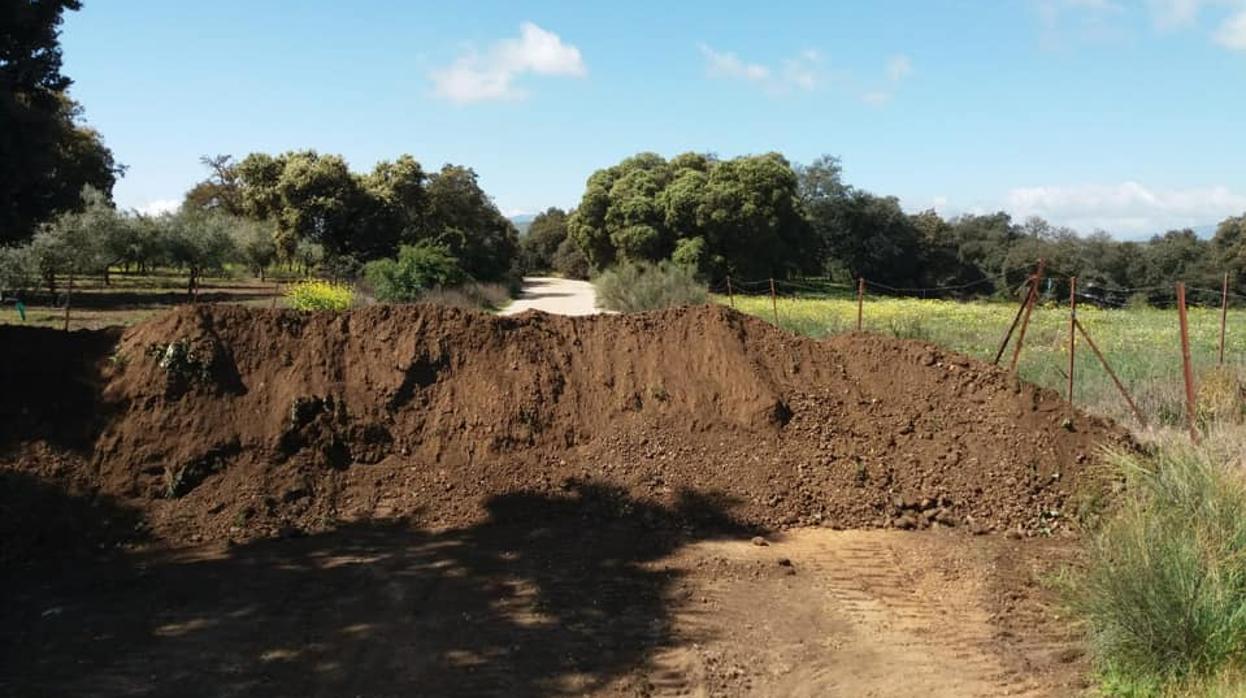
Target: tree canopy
x,y
47,155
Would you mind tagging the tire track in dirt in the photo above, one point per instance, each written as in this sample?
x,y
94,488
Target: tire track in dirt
x,y
869,614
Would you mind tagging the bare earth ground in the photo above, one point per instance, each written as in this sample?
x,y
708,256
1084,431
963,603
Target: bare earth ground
x,y
509,610
556,296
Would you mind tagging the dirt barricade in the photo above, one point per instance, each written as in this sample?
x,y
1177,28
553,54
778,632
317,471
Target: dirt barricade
x,y
230,422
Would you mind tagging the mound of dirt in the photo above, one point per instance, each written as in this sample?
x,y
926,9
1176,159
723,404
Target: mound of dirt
x,y
225,421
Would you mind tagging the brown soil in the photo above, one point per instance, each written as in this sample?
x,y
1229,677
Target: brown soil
x,y
272,420
424,499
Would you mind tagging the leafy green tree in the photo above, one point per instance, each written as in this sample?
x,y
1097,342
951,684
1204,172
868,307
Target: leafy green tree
x,y
255,245
200,243
73,244
539,246
419,268
745,211
1229,247
569,261
221,191
462,218
19,270
46,155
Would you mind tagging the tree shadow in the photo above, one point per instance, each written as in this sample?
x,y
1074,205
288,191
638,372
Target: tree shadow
x,y
554,594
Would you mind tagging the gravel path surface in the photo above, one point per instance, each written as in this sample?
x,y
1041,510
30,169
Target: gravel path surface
x,y
556,296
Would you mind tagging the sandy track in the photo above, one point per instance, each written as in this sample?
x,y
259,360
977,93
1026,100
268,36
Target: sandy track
x,y
556,296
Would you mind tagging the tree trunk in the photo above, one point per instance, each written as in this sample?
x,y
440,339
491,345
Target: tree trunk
x,y
69,292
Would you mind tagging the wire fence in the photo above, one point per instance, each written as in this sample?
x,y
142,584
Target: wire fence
x,y
1038,286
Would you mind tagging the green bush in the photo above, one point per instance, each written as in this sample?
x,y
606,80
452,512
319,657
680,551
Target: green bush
x,y
418,269
639,286
320,295
1164,587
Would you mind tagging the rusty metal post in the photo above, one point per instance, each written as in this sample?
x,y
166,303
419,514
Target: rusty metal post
x,y
1119,386
730,294
860,301
1224,313
1031,299
1013,327
1187,370
774,302
1072,331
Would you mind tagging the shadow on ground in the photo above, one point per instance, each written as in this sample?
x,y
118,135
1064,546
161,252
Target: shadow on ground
x,y
553,595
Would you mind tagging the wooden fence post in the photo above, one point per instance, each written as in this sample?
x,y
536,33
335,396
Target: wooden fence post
x,y
1224,313
1186,369
730,295
1072,331
774,302
860,301
1031,299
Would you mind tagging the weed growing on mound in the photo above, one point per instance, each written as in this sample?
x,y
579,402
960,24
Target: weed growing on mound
x,y
638,286
320,295
1164,588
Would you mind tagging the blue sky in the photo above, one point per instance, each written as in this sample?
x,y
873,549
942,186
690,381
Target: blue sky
x,y
1124,114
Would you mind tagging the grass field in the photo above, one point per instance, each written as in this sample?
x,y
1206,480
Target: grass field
x,y
1142,345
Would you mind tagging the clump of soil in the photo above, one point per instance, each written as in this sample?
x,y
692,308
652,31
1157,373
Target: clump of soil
x,y
225,421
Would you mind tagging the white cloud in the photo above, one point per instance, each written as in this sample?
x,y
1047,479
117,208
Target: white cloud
x,y
1126,209
899,67
159,206
802,72
1232,33
1174,13
477,77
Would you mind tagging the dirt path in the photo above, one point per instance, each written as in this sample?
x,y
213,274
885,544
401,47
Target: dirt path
x,y
556,296
575,607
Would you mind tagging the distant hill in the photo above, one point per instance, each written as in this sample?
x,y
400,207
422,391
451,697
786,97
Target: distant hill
x,y
523,221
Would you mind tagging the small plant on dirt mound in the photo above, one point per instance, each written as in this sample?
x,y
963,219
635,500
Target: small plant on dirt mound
x,y
181,361
638,286
1164,589
320,295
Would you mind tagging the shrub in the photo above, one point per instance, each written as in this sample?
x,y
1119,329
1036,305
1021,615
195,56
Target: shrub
x,y
418,269
319,295
638,286
472,296
1164,589
569,261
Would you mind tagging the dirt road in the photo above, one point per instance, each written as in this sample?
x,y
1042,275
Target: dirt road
x,y
565,607
556,296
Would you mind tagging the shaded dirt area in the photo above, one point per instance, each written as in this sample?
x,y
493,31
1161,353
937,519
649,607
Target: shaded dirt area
x,y
584,593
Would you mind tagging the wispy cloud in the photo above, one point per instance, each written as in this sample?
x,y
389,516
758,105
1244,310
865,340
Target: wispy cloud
x,y
1127,209
802,72
1062,21
1232,32
898,68
491,75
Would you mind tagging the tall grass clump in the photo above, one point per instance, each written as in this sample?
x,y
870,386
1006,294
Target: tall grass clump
x,y
1164,588
638,286
316,294
472,296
